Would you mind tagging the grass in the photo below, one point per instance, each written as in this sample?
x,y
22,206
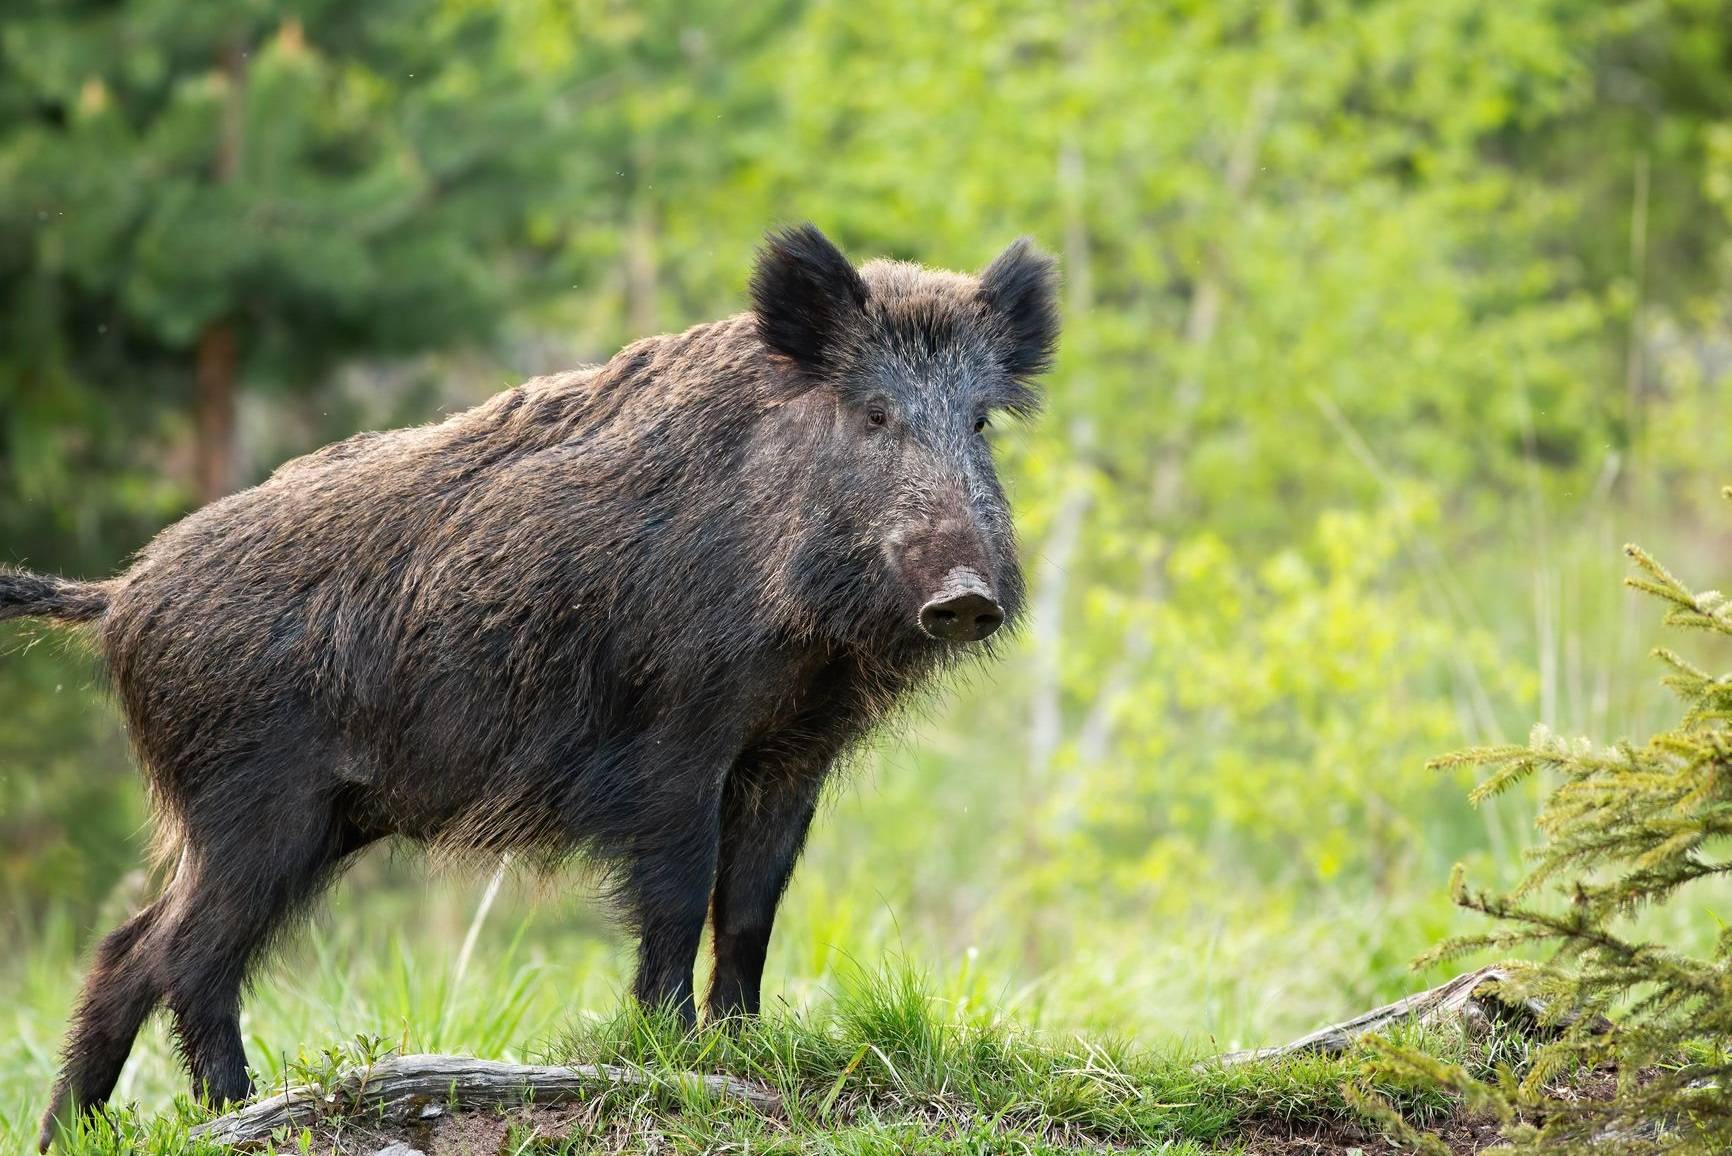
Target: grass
x,y
883,1064
884,1055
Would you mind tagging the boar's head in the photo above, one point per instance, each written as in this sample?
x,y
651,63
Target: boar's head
x,y
904,369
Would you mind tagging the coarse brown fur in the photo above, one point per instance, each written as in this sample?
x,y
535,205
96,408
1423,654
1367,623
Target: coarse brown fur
x,y
632,613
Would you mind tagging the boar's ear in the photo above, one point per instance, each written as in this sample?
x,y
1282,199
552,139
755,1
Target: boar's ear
x,y
1021,287
807,296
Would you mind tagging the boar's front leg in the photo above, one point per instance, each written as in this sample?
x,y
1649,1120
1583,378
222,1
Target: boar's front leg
x,y
765,816
667,870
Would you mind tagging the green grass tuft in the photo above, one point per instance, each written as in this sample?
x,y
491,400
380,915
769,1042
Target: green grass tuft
x,y
884,1058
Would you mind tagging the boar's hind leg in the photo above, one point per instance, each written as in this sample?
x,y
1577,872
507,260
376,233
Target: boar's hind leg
x,y
245,880
118,995
764,823
192,947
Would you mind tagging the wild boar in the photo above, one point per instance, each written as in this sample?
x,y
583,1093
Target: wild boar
x,y
632,613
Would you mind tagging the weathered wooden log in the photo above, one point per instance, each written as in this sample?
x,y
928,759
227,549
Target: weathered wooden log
x,y
404,1089
1464,996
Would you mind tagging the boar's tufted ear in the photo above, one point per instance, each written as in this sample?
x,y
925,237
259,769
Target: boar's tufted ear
x,y
807,296
1021,286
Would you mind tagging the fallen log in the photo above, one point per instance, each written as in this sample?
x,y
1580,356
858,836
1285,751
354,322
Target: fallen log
x,y
405,1089
1468,996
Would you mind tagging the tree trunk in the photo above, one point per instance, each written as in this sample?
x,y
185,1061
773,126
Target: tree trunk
x,y
215,374
642,312
217,355
1202,319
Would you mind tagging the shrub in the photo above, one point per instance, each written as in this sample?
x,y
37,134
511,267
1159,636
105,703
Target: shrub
x,y
1626,830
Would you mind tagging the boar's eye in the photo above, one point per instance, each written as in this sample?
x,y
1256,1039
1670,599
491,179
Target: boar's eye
x,y
980,424
875,416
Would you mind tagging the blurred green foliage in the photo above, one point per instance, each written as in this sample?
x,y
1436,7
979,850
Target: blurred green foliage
x,y
1383,321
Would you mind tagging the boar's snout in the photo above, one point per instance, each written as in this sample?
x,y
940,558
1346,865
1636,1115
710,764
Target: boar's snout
x,y
945,563
963,610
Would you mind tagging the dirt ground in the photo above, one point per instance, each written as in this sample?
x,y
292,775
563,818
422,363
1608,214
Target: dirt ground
x,y
487,1134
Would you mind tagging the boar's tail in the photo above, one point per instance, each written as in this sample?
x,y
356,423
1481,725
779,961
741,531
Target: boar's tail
x,y
27,595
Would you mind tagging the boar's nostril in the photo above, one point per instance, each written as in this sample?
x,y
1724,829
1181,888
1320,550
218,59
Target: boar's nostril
x,y
964,611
